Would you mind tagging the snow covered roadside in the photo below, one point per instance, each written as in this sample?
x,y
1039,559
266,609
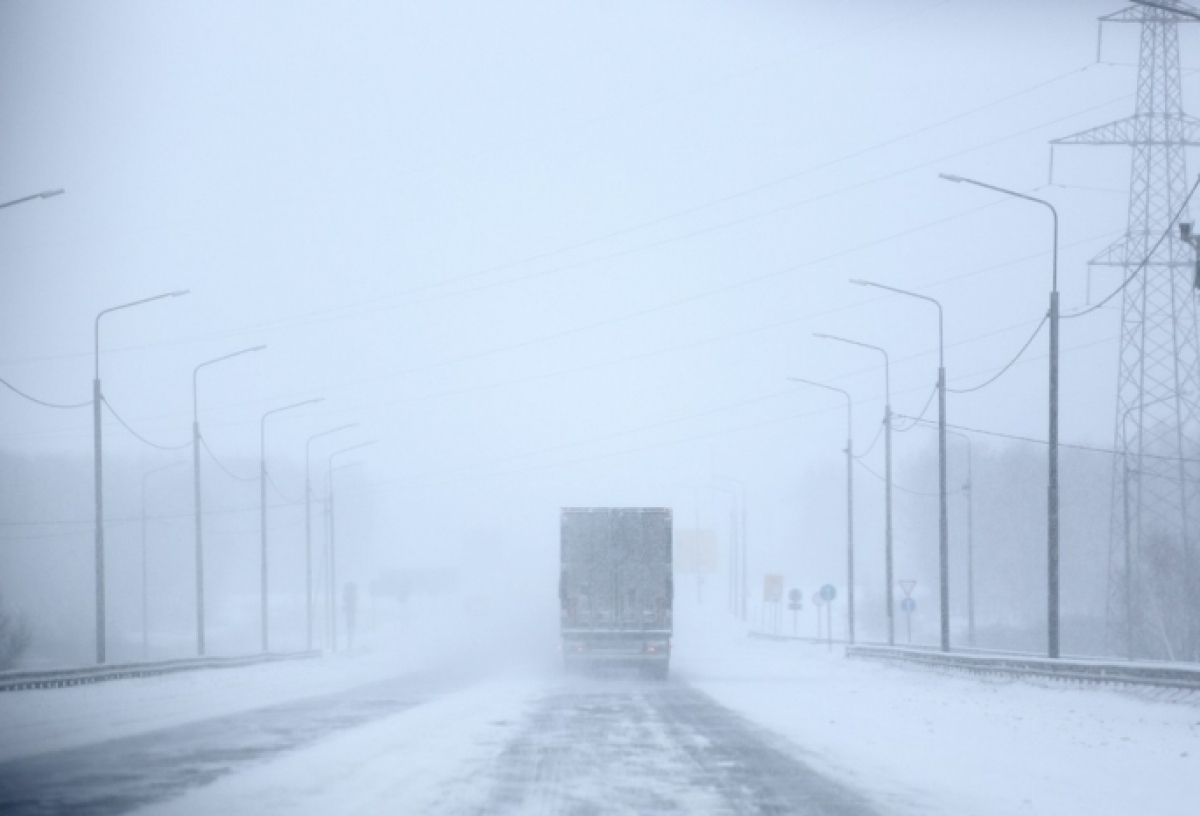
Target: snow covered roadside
x,y
918,741
37,721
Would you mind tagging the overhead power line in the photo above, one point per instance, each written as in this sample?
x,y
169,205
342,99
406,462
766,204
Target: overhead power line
x,y
221,465
901,488
1007,365
141,438
360,308
1145,261
21,393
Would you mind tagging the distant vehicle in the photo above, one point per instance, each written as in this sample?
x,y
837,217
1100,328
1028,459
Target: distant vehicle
x,y
615,588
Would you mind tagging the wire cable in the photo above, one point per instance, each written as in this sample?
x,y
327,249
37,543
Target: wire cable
x,y
920,416
228,472
874,441
280,493
898,487
1007,366
141,438
21,393
1089,448
1145,261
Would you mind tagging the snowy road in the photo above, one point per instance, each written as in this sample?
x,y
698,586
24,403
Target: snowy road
x,y
576,747
624,747
118,775
744,727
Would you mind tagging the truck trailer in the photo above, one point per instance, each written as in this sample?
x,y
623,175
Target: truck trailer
x,y
615,588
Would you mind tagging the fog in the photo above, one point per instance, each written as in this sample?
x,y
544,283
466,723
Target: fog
x,y
547,255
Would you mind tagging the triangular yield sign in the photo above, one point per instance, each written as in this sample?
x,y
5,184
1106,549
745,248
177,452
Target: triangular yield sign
x,y
907,586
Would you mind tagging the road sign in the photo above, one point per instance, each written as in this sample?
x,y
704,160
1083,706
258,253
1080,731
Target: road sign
x,y
795,595
772,588
828,592
795,606
908,605
907,585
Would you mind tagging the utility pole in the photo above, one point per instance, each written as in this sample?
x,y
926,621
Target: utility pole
x,y
262,485
308,567
196,495
1159,350
98,447
849,501
1052,513
887,446
943,509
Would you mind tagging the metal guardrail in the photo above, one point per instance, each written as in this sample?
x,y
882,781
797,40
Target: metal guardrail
x,y
755,633
59,678
1172,676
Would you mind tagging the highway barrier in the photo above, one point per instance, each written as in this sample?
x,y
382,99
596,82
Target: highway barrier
x,y
1085,670
60,678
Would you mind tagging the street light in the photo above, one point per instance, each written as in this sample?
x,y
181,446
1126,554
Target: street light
x,y
330,598
849,495
97,398
145,593
1052,489
196,491
46,194
744,556
262,485
887,447
943,514
308,525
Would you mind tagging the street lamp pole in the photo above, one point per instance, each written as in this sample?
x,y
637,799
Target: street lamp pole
x,y
98,443
196,491
308,526
849,495
262,485
46,194
145,588
943,510
332,595
1052,520
887,447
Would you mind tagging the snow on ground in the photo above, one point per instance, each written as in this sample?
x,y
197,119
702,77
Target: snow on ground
x,y
921,741
432,758
912,740
38,721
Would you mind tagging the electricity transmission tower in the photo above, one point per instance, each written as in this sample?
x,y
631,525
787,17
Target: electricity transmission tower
x,y
1154,515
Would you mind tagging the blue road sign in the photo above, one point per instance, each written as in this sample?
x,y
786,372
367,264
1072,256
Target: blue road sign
x,y
908,605
795,595
828,592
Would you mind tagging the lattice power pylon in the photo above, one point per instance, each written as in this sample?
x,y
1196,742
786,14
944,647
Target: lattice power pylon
x,y
1155,509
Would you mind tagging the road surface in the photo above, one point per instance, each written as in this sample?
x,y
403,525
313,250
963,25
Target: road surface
x,y
550,745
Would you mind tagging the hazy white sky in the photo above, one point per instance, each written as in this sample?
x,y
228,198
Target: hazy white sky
x,y
552,253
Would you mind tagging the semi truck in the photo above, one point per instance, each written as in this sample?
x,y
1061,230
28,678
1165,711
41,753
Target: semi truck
x,y
616,589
